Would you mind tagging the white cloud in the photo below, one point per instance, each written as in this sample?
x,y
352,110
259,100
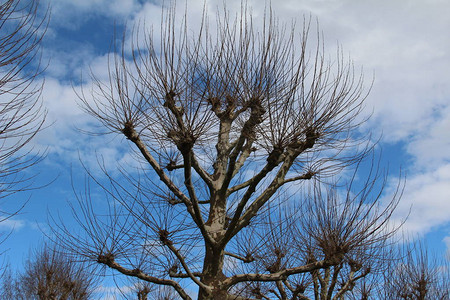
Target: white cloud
x,y
63,139
427,200
431,145
68,65
60,101
404,42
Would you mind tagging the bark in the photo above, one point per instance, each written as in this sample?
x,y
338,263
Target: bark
x,y
212,275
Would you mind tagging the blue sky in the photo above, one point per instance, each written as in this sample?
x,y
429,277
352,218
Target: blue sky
x,y
405,43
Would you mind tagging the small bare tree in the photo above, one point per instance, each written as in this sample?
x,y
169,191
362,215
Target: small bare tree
x,y
229,124
9,286
417,275
50,275
21,114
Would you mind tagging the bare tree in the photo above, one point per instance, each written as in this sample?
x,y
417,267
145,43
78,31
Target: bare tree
x,y
229,125
50,275
351,226
9,288
21,114
417,275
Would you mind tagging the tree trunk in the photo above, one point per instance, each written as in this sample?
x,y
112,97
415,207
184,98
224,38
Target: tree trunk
x,y
213,275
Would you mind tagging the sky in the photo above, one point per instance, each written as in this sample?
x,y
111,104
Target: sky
x,y
402,44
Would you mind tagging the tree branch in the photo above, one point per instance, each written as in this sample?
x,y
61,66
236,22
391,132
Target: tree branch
x,y
280,275
297,293
252,210
174,274
191,190
308,175
274,158
241,146
109,261
133,136
287,157
334,279
201,172
282,290
350,282
247,259
186,268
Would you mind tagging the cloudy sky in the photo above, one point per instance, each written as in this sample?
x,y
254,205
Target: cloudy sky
x,y
403,44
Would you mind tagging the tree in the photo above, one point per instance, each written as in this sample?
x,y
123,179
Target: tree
x,y
49,275
416,275
229,125
351,226
21,113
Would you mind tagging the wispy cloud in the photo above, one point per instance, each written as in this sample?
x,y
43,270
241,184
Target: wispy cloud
x,y
12,224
